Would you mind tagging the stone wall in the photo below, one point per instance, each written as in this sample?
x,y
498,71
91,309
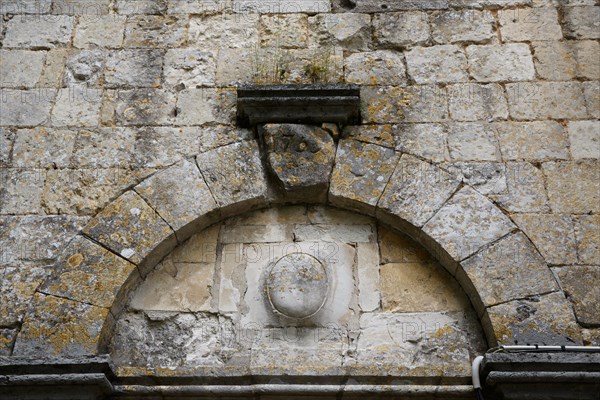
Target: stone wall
x,y
503,95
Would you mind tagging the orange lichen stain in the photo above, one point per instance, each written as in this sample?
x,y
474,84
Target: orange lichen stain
x,y
75,260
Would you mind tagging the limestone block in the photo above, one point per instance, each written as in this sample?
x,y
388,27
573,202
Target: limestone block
x,y
22,190
53,68
350,31
201,106
374,6
360,175
36,239
334,233
62,327
26,107
442,63
221,31
333,216
286,31
155,31
129,227
528,24
537,140
542,100
190,68
591,337
422,140
26,6
585,139
77,105
382,135
21,68
19,282
81,7
494,63
409,344
552,234
38,33
145,107
42,148
281,6
490,3
182,287
368,276
212,137
472,142
417,189
591,91
420,287
91,274
235,175
183,185
587,233
381,67
7,338
509,269
397,248
197,7
582,22
162,146
85,191
99,31
400,29
7,138
236,66
389,104
134,68
471,26
573,187
452,227
84,67
485,177
201,248
581,288
525,190
544,320
475,102
562,61
104,148
300,157
134,7
232,284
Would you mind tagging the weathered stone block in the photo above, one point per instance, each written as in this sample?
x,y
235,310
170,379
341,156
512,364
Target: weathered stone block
x,y
135,7
235,176
552,234
585,139
416,191
84,67
397,248
422,140
509,269
537,140
7,138
221,31
287,31
145,107
91,274
26,107
475,102
494,63
452,227
573,187
485,177
197,7
62,327
7,338
348,30
472,142
281,6
471,26
382,135
442,63
582,22
183,185
587,234
525,190
104,148
544,320
299,156
546,100
53,68
134,68
77,105
375,68
401,29
21,190
43,148
26,6
591,91
562,61
155,31
373,6
99,31
368,276
490,3
35,32
201,106
361,173
528,24
334,233
81,7
19,282
190,68
129,227
21,68
389,104
236,67
580,286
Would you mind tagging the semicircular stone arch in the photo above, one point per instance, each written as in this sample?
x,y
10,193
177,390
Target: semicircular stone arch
x,y
73,312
